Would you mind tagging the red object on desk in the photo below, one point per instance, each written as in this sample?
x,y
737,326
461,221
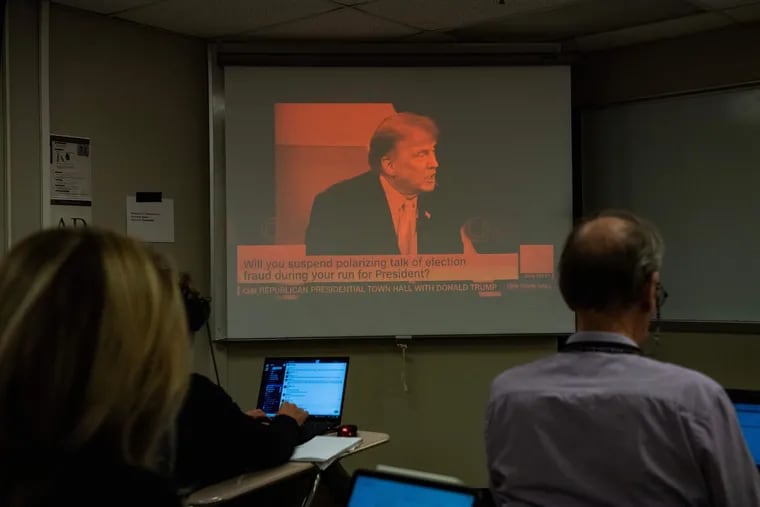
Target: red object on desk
x,y
347,430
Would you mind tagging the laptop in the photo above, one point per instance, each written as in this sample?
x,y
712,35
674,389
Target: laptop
x,y
316,384
747,406
372,488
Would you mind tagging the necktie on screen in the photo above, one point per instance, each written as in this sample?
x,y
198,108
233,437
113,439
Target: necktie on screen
x,y
407,228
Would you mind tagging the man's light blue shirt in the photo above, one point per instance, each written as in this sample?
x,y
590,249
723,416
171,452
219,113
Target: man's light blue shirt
x,y
614,429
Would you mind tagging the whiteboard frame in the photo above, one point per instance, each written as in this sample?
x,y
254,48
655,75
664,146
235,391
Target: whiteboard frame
x,y
217,196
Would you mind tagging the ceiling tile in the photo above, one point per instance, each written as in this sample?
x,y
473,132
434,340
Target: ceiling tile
x,y
344,24
105,6
212,18
579,18
744,14
446,14
654,31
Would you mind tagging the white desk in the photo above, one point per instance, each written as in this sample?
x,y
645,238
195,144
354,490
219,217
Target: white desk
x,y
243,484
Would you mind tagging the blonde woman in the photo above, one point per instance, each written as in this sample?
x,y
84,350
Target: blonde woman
x,y
93,368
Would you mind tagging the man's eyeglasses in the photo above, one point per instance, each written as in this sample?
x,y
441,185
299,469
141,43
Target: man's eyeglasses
x,y
661,295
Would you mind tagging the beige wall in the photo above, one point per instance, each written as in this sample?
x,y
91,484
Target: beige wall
x,y
140,94
438,424
732,360
715,59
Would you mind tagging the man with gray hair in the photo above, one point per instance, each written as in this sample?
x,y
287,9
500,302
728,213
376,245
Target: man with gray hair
x,y
388,210
599,423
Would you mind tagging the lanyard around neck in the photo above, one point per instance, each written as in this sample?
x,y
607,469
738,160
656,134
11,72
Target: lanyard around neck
x,y
605,347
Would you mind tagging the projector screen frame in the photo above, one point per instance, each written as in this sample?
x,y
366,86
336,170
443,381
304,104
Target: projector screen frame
x,y
221,55
387,55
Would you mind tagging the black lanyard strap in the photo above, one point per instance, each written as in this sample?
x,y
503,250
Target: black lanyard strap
x,y
607,347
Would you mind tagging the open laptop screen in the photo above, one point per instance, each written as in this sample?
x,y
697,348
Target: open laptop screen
x,y
749,420
747,406
315,384
371,489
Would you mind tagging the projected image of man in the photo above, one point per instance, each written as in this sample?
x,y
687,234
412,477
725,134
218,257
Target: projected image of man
x,y
389,209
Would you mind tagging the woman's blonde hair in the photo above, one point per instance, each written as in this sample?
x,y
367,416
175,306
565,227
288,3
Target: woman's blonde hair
x,y
93,351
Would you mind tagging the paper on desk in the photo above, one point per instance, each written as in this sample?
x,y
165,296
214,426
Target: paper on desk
x,y
324,450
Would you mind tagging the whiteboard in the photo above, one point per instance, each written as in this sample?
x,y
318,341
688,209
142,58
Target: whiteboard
x,y
690,164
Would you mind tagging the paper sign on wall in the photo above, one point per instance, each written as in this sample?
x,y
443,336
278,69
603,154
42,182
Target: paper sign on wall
x,y
70,181
151,220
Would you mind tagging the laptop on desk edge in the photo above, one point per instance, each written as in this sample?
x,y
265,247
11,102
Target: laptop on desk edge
x,y
371,487
747,406
316,384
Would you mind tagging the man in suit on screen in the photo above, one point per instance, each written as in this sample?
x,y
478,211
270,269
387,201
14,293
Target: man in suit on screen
x,y
389,209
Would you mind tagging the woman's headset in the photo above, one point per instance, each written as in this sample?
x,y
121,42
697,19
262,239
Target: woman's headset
x,y
197,307
198,310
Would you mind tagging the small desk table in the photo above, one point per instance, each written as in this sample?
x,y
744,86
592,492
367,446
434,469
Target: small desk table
x,y
243,484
